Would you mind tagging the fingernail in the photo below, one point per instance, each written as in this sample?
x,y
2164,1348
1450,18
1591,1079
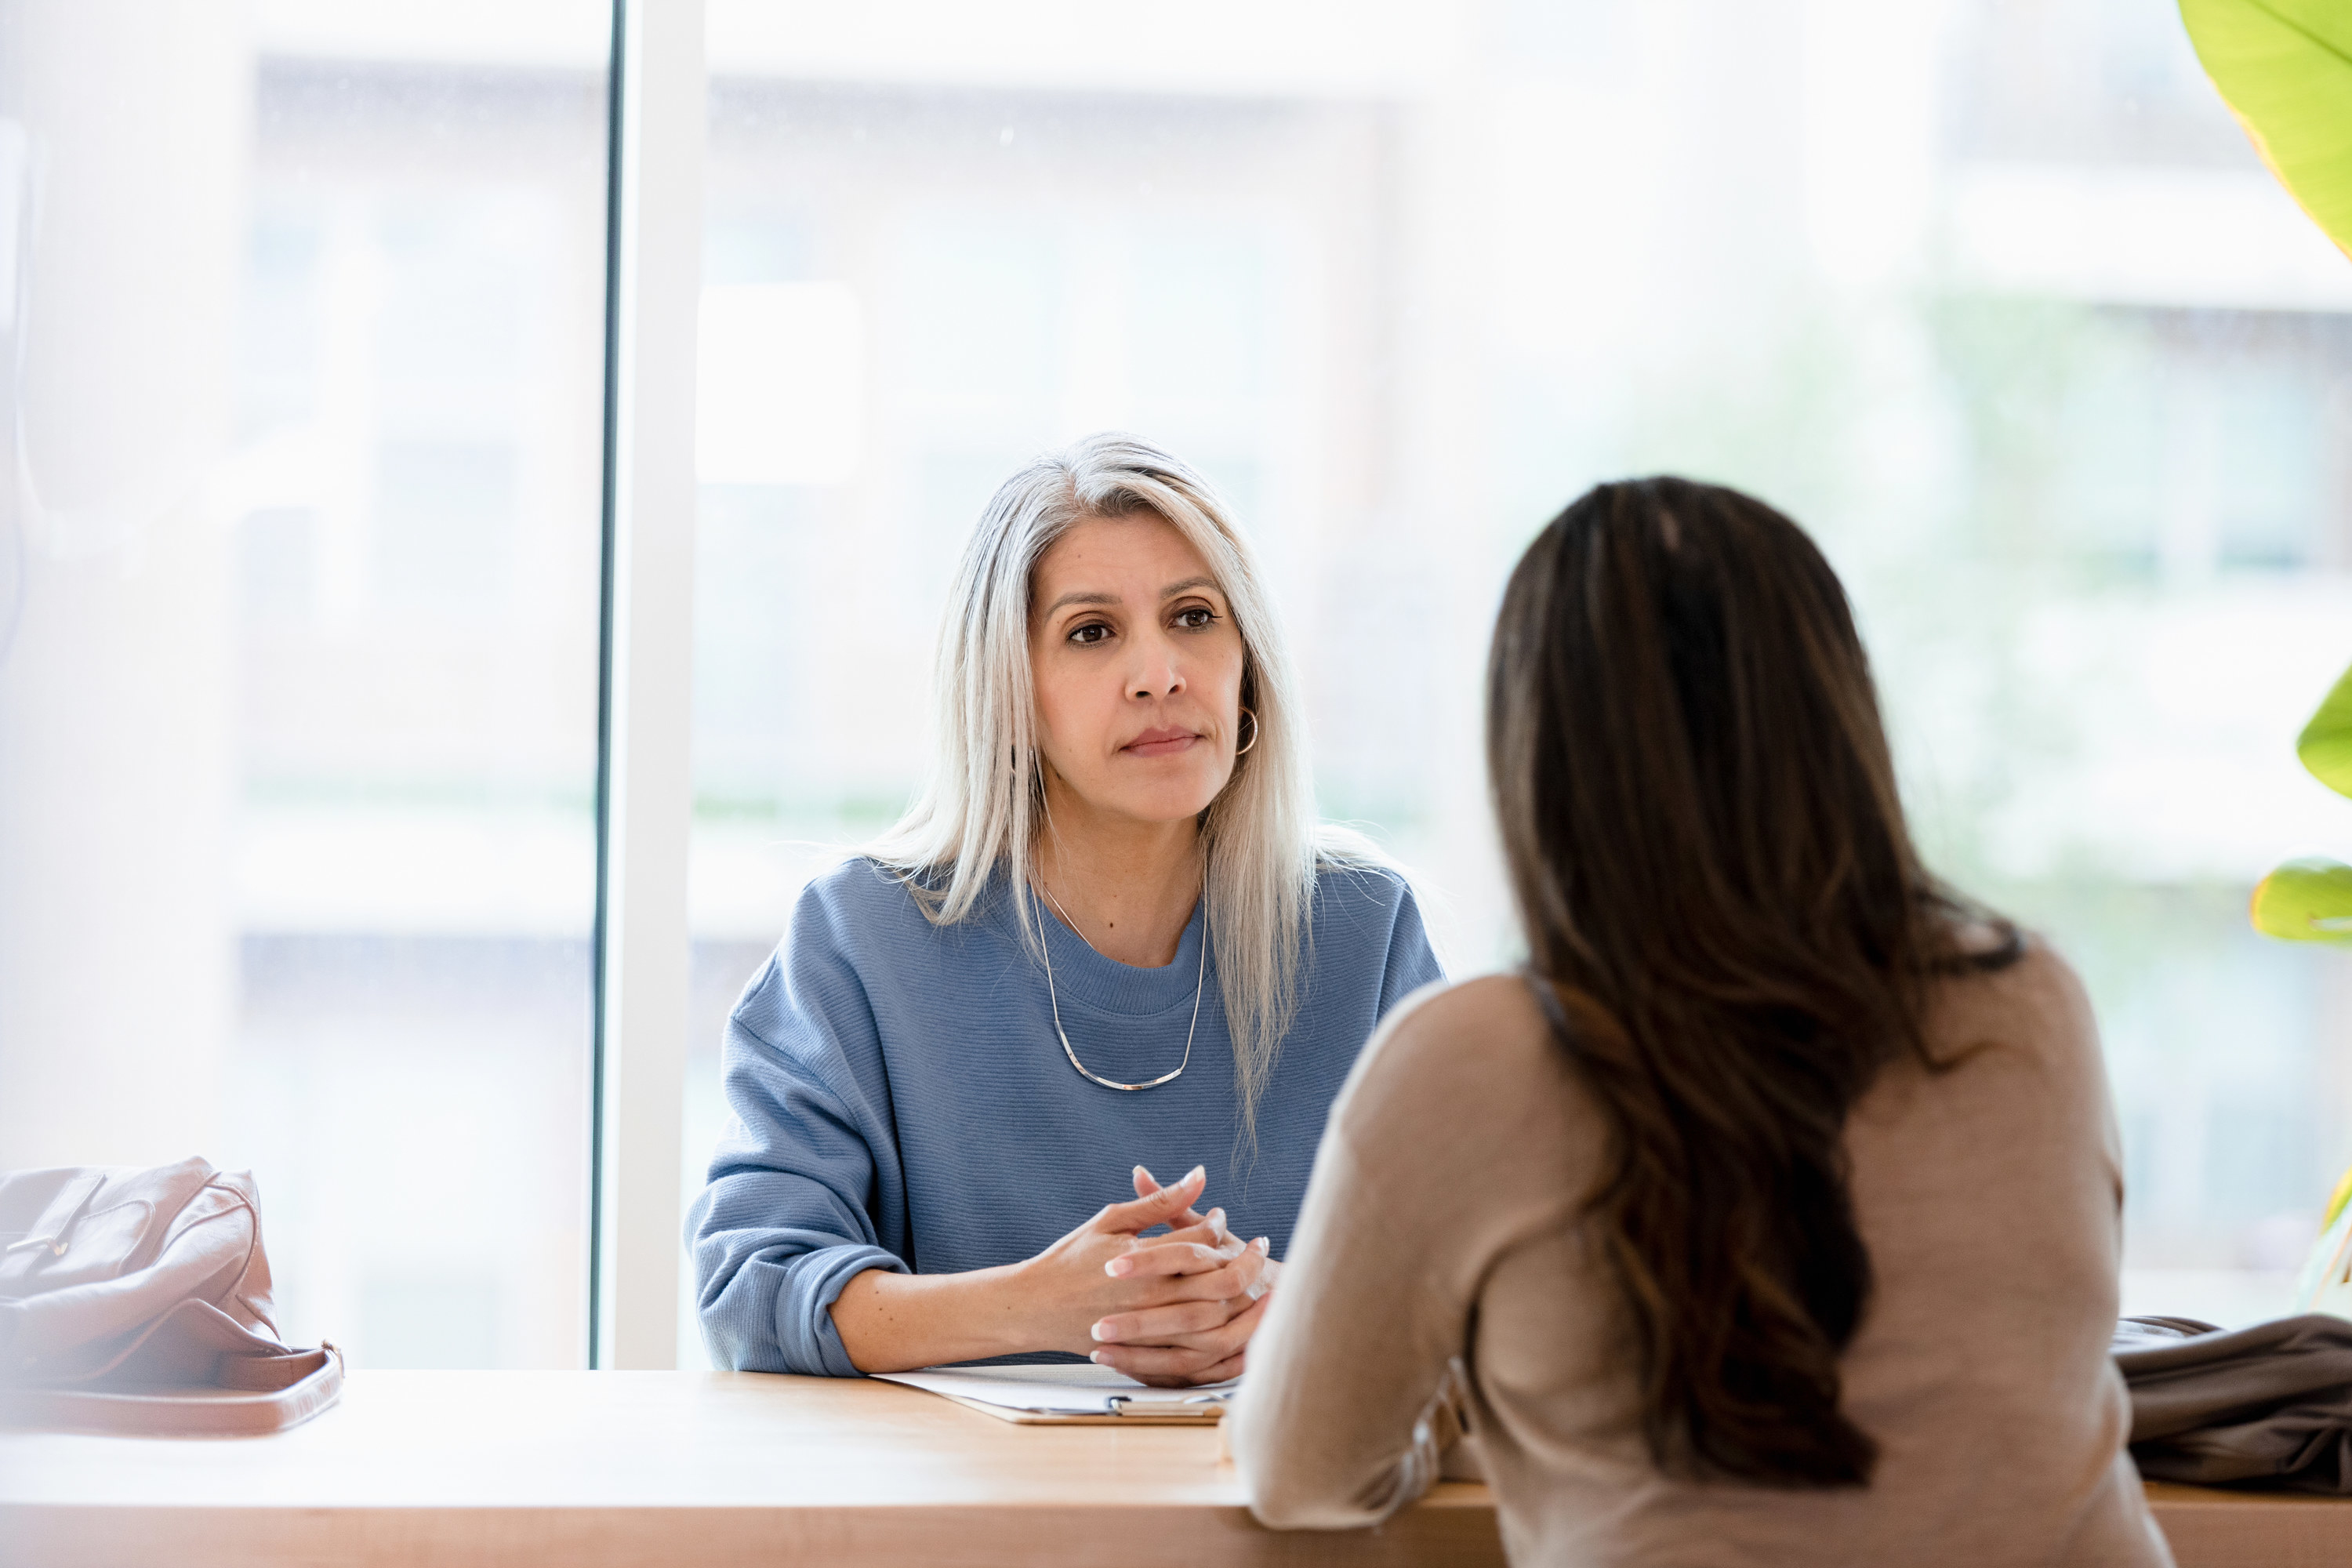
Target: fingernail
x,y
1197,1173
1263,1243
1101,1332
1095,1356
1117,1268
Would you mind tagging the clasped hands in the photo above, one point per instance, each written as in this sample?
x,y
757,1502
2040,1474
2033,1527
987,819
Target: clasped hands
x,y
1170,1311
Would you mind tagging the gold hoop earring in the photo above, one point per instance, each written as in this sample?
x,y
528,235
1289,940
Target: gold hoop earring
x,y
1253,731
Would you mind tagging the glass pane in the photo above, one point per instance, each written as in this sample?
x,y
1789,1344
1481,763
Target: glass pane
x,y
298,661
1995,299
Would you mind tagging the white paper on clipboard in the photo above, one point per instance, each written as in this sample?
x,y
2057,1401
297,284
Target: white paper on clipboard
x,y
1067,1392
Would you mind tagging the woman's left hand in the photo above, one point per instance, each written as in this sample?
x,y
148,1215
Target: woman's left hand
x,y
1202,1339
1207,1229
1186,1360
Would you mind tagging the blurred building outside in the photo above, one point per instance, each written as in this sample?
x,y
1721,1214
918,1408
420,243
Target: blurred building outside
x,y
1990,294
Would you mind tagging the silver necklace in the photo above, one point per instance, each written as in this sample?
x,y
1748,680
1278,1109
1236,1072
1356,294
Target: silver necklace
x,y
1055,1001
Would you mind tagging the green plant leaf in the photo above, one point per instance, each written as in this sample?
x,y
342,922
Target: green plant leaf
x,y
2306,900
2284,67
2325,743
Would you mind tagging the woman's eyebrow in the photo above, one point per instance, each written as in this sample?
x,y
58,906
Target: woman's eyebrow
x,y
1096,596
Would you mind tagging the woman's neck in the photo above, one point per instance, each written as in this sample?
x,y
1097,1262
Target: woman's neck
x,y
1126,886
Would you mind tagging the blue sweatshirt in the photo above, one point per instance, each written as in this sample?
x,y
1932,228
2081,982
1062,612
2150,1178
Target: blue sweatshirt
x,y
900,1099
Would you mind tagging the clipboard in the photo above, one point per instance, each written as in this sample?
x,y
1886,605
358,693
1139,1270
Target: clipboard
x,y
1060,1395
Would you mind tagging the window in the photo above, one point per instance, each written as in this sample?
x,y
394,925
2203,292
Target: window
x,y
1404,286
299,522
298,701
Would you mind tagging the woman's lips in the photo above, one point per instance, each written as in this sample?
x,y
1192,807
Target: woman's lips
x,y
1160,742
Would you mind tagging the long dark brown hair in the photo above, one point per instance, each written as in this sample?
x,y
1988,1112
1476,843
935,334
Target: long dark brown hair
x,y
1699,812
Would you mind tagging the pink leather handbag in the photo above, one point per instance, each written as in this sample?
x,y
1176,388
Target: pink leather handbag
x,y
138,1302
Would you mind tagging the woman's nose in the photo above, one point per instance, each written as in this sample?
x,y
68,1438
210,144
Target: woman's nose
x,y
1158,674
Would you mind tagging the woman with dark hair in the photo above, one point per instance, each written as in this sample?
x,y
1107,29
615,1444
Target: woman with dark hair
x,y
1772,1215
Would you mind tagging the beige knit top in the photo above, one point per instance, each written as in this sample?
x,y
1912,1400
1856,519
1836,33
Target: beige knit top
x,y
1440,1233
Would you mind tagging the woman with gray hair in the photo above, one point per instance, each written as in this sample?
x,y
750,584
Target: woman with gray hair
x,y
1111,938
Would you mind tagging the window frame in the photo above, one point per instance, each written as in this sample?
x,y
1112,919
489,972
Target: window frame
x,y
646,682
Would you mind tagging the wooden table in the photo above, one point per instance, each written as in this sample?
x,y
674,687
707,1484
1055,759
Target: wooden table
x,y
2213,1528
591,1469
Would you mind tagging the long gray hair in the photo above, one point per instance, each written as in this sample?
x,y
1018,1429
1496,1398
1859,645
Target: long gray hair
x,y
983,803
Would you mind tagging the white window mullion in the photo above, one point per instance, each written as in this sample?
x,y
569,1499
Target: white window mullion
x,y
649,680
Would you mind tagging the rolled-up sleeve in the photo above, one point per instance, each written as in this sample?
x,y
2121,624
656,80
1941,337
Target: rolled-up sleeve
x,y
805,1190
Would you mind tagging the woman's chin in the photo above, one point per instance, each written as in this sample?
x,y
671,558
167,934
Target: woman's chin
x,y
1150,790
1157,806
1187,810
